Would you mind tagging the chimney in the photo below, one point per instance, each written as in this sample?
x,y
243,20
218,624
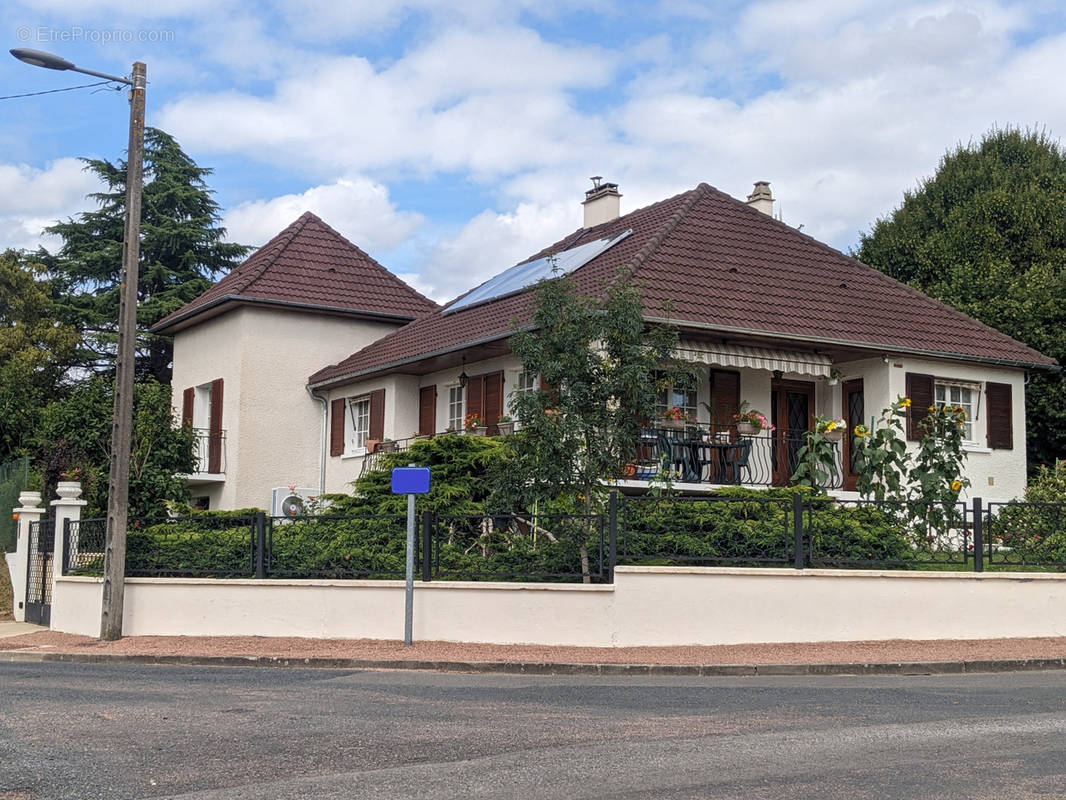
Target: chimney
x,y
601,202
761,199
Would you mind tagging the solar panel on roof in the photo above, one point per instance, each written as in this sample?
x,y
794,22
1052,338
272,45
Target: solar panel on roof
x,y
524,275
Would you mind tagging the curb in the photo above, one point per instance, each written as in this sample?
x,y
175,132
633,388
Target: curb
x,y
547,668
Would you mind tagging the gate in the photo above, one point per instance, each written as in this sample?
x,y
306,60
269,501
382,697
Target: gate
x,y
39,572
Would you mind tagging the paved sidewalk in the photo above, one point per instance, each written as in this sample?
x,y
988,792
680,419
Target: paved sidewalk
x,y
889,657
9,628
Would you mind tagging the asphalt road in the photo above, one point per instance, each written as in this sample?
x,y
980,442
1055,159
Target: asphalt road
x,y
95,731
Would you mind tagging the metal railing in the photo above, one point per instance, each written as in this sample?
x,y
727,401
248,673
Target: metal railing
x,y
209,450
783,529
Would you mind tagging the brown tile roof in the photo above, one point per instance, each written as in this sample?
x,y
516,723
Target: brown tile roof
x,y
709,261
311,266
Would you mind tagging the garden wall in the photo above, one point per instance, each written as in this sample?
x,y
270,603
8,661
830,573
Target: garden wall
x,y
646,606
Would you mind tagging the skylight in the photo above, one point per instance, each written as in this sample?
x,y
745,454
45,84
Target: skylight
x,y
524,275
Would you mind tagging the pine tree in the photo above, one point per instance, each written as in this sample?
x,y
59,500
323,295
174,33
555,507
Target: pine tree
x,y
987,235
182,254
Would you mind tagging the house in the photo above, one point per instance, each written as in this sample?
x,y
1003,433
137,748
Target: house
x,y
767,315
243,349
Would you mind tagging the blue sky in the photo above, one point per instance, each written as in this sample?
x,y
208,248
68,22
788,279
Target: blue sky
x,y
451,140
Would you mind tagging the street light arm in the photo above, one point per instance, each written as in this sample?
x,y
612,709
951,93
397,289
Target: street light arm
x,y
39,58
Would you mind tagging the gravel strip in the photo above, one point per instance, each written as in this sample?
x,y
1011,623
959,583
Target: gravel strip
x,y
864,652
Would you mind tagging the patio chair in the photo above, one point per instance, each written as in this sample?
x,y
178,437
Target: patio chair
x,y
678,456
736,459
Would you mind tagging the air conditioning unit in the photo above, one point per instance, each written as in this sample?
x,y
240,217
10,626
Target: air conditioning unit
x,y
286,501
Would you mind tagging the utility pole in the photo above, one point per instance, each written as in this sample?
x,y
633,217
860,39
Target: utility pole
x,y
118,485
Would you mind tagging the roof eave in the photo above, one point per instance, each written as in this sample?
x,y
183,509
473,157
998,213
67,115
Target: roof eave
x,y
874,347
185,320
348,377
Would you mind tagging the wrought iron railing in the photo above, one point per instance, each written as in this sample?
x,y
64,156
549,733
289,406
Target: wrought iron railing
x,y
209,450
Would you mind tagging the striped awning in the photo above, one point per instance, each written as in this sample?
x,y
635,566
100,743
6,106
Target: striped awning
x,y
768,358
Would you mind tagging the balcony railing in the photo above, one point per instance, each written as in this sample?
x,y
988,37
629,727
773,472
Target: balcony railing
x,y
713,455
209,450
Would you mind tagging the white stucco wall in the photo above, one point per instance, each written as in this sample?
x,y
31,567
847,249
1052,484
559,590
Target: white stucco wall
x,y
264,357
994,474
646,606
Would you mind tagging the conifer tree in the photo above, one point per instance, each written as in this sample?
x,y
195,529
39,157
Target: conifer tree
x,y
182,253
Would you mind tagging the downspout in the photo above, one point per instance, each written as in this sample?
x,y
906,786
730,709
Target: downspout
x,y
322,439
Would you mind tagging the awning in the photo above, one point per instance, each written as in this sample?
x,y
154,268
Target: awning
x,y
768,358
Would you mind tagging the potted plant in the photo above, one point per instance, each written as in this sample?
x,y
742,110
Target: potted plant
x,y
69,485
387,445
474,424
674,419
505,425
750,421
831,429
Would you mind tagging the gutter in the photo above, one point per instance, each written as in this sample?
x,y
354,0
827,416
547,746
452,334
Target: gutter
x,y
321,440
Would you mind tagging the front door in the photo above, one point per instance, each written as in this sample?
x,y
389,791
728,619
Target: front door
x,y
792,411
854,413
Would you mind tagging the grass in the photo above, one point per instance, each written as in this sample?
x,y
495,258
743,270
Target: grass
x,y
6,601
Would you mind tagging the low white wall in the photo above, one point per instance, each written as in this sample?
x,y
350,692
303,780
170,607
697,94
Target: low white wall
x,y
646,606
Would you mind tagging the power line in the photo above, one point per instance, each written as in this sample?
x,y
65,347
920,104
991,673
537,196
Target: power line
x,y
53,91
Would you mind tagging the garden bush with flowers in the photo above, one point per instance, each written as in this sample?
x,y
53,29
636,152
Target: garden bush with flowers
x,y
1033,532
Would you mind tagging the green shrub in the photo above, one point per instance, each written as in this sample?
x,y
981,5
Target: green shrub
x,y
1033,532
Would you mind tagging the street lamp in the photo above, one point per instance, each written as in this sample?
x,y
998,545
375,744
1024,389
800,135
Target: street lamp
x,y
118,485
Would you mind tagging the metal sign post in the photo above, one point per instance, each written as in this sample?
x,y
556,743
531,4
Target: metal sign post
x,y
410,480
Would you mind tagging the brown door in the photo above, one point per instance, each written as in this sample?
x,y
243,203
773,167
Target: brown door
x,y
792,412
854,414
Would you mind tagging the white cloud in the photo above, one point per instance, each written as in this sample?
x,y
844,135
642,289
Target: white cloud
x,y
32,199
490,243
488,102
357,208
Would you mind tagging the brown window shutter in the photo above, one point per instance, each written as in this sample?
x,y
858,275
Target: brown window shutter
x,y
725,396
920,391
214,432
1000,418
493,402
427,410
475,397
188,398
377,415
336,427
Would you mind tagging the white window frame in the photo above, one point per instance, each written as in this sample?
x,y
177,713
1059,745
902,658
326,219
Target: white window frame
x,y
973,408
456,420
664,398
356,424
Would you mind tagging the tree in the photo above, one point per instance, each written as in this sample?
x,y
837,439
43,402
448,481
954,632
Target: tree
x,y
596,359
987,235
75,434
182,254
35,350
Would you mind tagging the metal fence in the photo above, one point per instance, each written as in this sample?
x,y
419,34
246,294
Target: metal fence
x,y
780,530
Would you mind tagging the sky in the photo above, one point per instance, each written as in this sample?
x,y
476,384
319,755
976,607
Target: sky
x,y
452,140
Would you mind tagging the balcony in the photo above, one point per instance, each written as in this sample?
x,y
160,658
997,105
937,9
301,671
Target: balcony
x,y
209,450
697,458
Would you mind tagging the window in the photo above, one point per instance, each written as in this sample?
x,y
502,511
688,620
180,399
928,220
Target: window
x,y
964,396
358,427
675,395
456,407
526,382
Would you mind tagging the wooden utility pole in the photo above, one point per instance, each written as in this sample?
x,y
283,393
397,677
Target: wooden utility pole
x,y
118,485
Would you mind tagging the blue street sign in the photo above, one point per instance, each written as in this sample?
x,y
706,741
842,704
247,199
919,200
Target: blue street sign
x,y
410,480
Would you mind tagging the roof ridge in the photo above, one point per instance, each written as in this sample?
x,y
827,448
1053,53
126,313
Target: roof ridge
x,y
652,245
284,238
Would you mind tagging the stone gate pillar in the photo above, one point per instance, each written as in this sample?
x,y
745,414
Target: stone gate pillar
x,y
29,511
68,506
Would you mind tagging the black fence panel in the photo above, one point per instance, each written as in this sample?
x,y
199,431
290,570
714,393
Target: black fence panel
x,y
1025,535
527,547
730,531
878,534
368,546
191,547
83,547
